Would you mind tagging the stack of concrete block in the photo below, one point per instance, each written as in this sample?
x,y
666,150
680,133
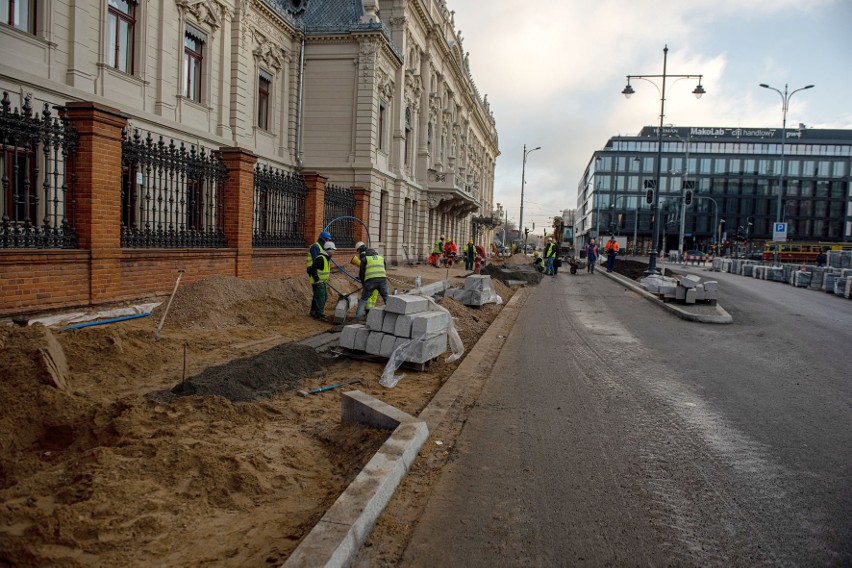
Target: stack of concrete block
x,y
801,278
828,283
817,278
689,289
775,273
747,270
405,320
847,291
840,258
478,290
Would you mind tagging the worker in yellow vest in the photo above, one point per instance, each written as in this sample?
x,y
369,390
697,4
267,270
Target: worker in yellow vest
x,y
371,301
373,275
319,271
469,255
317,247
549,257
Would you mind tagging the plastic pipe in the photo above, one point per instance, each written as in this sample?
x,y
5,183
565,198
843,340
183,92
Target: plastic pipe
x,y
102,322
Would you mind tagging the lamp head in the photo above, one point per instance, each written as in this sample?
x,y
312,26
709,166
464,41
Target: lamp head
x,y
699,91
628,91
765,86
808,87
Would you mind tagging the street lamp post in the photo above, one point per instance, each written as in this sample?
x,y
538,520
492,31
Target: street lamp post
x,y
720,246
523,172
785,104
628,90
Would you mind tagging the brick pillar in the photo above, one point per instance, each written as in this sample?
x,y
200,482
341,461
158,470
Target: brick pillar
x,y
314,206
362,211
239,206
98,194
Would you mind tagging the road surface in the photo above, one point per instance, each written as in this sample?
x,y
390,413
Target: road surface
x,y
611,432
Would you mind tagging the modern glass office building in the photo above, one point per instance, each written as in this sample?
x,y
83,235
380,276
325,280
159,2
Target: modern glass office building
x,y
734,174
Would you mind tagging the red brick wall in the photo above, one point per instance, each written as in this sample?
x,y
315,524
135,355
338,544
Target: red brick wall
x,y
43,280
100,271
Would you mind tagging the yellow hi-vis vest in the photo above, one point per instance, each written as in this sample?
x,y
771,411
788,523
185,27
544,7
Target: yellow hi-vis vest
x,y
375,267
439,247
310,258
322,275
551,250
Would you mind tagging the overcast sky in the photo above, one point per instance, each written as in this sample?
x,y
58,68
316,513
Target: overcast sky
x,y
553,71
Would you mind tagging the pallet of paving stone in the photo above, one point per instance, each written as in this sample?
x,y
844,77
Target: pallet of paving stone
x,y
363,356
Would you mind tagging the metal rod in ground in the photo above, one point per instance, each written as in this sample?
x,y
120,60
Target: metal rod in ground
x,y
169,304
329,387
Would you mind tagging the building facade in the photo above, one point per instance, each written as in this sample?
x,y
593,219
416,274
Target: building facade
x,y
370,96
733,175
221,135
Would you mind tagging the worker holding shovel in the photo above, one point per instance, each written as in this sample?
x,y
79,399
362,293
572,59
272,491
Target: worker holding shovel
x,y
319,272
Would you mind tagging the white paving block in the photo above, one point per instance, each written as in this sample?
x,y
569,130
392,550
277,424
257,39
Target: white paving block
x,y
407,304
690,295
389,322
680,293
403,326
361,338
374,342
429,323
711,285
375,319
690,281
349,334
421,351
388,345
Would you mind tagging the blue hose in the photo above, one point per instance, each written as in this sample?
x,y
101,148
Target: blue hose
x,y
340,268
102,322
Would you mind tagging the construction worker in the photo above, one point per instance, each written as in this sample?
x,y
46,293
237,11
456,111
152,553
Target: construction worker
x,y
451,251
356,260
437,251
373,275
549,256
611,249
319,272
538,261
317,247
479,259
469,255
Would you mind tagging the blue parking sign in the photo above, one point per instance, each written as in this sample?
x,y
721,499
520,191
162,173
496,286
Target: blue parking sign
x,y
779,232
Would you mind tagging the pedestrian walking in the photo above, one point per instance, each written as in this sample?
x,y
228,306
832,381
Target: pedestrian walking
x,y
611,249
373,275
319,271
820,259
591,256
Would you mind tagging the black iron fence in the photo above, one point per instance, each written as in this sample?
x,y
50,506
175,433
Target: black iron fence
x,y
37,175
279,208
171,196
340,202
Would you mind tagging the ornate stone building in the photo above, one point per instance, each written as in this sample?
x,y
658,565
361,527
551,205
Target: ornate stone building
x,y
379,97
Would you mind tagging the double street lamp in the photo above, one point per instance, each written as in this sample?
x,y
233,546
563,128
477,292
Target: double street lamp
x,y
628,90
785,104
523,172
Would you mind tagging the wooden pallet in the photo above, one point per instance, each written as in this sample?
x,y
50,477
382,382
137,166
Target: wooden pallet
x,y
362,356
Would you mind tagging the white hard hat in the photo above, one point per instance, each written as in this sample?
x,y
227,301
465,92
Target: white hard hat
x,y
329,246
359,245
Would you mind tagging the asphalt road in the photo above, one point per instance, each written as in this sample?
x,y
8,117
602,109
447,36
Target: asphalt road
x,y
613,433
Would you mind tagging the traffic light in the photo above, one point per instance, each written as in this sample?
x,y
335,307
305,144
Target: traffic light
x,y
687,198
650,186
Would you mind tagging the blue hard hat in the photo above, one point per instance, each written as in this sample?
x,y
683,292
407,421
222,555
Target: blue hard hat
x,y
325,235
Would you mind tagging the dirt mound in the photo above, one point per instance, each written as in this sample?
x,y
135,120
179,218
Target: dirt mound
x,y
251,379
507,273
515,260
471,322
220,302
633,269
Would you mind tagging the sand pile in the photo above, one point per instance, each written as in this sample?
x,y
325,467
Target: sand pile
x,y
517,260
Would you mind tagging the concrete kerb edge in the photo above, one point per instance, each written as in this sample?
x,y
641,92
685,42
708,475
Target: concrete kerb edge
x,y
336,538
723,316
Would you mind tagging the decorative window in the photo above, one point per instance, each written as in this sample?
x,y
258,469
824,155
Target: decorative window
x,y
407,135
121,28
19,13
193,60
264,83
382,112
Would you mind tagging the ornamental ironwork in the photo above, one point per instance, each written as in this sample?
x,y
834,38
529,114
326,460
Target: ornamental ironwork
x,y
172,196
340,208
37,177
279,209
